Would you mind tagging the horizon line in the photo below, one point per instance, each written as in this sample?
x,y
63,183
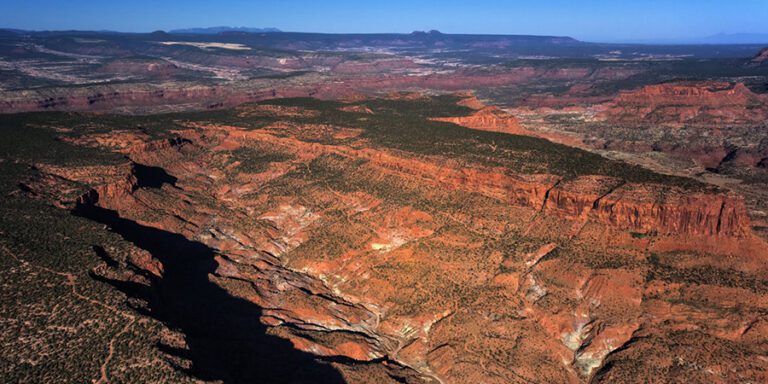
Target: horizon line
x,y
276,30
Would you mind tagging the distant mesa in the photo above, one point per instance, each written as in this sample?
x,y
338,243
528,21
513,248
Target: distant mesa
x,y
217,30
735,38
430,32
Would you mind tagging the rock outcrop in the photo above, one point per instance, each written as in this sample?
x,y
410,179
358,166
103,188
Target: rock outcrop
x,y
681,103
760,58
647,210
487,119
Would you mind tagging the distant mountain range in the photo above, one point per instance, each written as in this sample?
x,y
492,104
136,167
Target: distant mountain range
x,y
736,38
215,30
720,38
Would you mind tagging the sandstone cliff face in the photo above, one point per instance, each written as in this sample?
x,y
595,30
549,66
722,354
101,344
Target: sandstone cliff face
x,y
643,209
708,129
651,209
576,198
487,119
686,102
636,208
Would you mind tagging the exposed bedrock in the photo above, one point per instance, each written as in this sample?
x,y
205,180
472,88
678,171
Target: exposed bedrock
x,y
680,103
328,251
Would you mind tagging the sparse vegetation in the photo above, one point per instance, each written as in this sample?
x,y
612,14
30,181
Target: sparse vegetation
x,y
475,237
57,321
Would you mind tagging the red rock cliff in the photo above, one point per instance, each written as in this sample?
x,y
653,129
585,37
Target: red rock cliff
x,y
688,102
487,119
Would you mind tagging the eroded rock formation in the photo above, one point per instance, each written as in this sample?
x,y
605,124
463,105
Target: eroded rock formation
x,y
487,119
688,103
429,269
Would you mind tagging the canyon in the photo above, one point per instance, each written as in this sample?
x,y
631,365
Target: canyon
x,y
423,208
392,263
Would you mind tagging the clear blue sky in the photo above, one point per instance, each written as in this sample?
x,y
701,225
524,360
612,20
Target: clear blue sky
x,y
606,20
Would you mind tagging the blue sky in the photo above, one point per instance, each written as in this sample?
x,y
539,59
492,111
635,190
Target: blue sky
x,y
596,20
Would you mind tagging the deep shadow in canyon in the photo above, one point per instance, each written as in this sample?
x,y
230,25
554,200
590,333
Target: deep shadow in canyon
x,y
151,177
226,341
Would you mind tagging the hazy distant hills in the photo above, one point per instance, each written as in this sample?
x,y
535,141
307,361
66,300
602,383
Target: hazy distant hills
x,y
215,30
719,39
735,38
